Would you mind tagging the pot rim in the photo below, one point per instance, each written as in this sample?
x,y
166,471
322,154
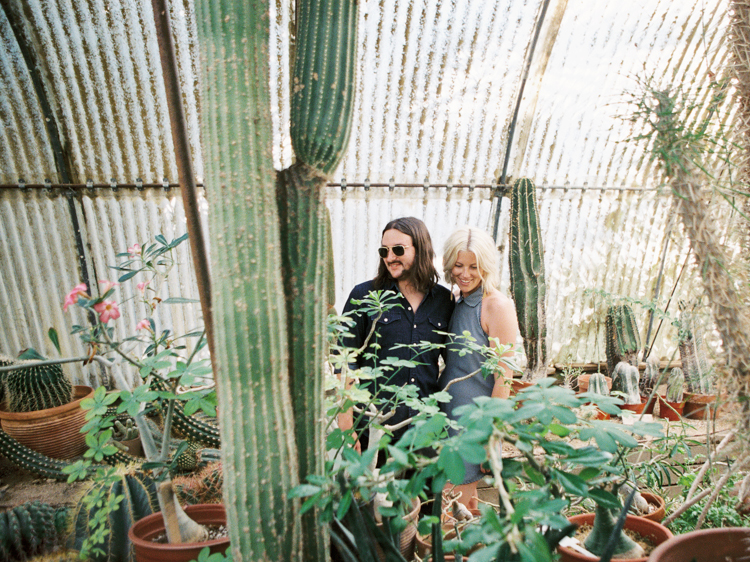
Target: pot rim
x,y
81,391
137,540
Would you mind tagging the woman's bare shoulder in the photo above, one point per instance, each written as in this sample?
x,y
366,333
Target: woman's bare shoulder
x,y
498,303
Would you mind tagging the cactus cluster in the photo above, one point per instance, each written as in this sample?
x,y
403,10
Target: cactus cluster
x,y
527,283
675,385
138,494
30,529
698,374
598,384
29,389
622,340
625,380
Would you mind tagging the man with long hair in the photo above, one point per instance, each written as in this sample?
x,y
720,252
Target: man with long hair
x,y
407,268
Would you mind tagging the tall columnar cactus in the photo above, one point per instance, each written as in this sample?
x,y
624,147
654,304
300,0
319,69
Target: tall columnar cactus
x,y
527,284
30,529
675,385
625,379
650,377
138,494
698,374
598,384
28,389
622,340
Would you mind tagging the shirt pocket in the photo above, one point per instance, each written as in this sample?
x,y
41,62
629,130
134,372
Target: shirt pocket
x,y
438,325
389,317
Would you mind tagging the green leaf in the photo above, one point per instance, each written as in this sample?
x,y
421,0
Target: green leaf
x,y
178,300
571,482
303,490
605,498
559,430
128,275
52,333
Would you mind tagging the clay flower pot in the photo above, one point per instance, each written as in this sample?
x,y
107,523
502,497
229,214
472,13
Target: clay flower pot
x,y
517,385
656,532
635,408
142,533
658,502
54,432
699,406
704,545
671,411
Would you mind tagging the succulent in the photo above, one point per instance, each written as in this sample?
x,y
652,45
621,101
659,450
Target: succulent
x,y
604,526
698,374
527,283
622,341
203,486
625,381
650,377
29,389
29,529
675,385
598,384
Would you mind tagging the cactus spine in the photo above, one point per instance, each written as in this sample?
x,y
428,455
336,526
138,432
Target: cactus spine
x,y
675,385
30,529
698,375
622,339
527,284
625,380
138,494
29,389
598,384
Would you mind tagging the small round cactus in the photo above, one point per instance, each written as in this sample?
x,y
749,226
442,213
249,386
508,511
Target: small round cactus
x,y
598,384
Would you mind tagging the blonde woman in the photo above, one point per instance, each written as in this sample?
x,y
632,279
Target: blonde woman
x,y
470,265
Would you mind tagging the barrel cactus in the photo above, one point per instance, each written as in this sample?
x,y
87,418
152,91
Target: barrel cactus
x,y
30,529
527,283
698,374
598,384
28,389
675,385
622,340
625,380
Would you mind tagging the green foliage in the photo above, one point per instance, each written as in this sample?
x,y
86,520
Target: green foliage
x,y
723,512
30,529
622,340
527,282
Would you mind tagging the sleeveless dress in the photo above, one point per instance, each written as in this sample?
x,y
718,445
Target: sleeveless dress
x,y
466,317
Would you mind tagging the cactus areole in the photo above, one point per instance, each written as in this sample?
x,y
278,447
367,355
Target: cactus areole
x,y
527,284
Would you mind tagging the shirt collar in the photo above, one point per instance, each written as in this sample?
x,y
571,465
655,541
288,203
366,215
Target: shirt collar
x,y
473,299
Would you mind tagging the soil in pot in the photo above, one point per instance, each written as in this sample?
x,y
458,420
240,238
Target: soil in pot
x,y
648,531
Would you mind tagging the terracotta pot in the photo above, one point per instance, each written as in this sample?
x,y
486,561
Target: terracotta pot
x,y
517,385
583,382
54,432
406,541
704,545
424,542
656,532
671,411
635,408
133,446
699,406
142,533
657,501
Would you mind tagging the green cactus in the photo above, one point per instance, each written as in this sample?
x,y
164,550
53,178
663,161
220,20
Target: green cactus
x,y
598,384
203,486
29,389
30,529
698,374
625,380
527,284
675,385
5,361
189,427
138,494
30,460
650,377
622,340
603,529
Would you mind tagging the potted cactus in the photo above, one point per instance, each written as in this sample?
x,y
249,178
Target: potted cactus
x,y
622,340
598,384
699,376
625,382
647,383
671,405
41,408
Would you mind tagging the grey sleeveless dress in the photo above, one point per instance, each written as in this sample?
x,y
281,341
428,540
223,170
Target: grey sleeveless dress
x,y
466,317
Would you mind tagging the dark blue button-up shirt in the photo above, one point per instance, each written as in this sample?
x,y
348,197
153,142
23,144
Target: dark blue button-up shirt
x,y
400,325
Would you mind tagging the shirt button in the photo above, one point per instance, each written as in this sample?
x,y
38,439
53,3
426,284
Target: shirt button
x,y
415,325
412,380
385,319
408,308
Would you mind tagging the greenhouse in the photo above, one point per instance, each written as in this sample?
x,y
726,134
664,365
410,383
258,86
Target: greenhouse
x,y
193,193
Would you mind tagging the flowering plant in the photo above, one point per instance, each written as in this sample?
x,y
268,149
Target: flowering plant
x,y
163,360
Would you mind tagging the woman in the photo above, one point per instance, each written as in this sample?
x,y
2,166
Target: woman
x,y
470,264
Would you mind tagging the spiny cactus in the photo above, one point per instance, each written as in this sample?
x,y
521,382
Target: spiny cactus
x,y
598,384
675,385
622,340
625,380
5,361
30,529
139,499
527,283
28,389
698,374
650,377
203,486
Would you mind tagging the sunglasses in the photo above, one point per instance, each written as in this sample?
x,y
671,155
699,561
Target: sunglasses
x,y
398,251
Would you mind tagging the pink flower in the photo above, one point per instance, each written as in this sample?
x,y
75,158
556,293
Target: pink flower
x,y
143,325
134,250
108,285
142,286
72,296
107,311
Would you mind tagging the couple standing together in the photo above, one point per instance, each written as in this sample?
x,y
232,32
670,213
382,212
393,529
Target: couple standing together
x,y
429,310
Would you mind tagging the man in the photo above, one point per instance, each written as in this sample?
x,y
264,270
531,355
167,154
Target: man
x,y
406,268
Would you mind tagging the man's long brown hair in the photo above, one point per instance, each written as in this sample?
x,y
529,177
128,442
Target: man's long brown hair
x,y
423,274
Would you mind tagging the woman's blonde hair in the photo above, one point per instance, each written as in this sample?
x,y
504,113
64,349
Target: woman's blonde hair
x,y
481,244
